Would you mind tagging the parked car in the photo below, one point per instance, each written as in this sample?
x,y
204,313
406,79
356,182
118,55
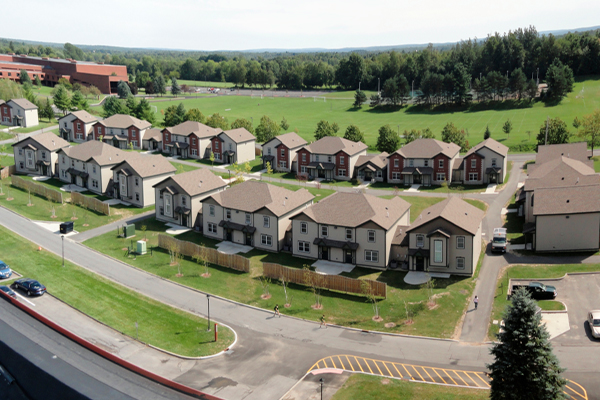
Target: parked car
x,y
5,271
538,290
594,321
8,291
30,286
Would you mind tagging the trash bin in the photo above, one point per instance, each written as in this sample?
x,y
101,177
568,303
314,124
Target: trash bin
x,y
66,227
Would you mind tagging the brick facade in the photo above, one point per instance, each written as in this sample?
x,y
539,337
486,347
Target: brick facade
x,y
5,113
283,155
392,163
445,168
478,166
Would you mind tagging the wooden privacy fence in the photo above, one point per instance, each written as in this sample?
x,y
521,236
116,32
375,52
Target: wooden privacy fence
x,y
213,256
329,282
90,203
36,188
7,171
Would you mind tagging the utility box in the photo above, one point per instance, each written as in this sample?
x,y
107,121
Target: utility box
x,y
128,231
66,227
141,247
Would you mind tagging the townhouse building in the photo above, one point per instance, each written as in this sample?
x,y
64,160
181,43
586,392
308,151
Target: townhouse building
x,y
352,228
372,167
152,140
484,163
121,131
76,126
178,198
18,112
37,155
330,158
135,177
281,152
254,213
189,139
234,146
423,162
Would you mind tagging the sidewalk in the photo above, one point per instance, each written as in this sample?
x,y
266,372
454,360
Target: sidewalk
x,y
83,236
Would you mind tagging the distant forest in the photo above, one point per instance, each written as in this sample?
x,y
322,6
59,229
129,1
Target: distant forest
x,y
522,50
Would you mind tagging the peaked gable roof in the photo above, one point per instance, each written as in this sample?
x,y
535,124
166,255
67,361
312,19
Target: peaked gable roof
x,y
188,127
239,135
379,160
122,121
567,200
48,140
355,209
101,153
153,133
428,148
576,151
453,210
23,103
290,140
561,172
334,144
83,116
146,166
251,196
490,144
196,182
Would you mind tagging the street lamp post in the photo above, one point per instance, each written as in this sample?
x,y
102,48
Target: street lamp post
x,y
412,92
63,249
378,86
208,302
359,86
537,77
321,380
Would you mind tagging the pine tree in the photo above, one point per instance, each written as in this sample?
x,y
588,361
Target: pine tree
x,y
123,90
359,98
76,100
507,127
284,124
160,86
61,99
37,81
175,88
524,366
24,77
487,134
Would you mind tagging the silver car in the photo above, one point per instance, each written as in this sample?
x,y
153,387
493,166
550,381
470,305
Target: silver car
x,y
594,321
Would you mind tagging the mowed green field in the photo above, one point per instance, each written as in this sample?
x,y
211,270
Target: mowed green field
x,y
305,113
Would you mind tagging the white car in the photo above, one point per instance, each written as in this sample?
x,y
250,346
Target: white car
x,y
594,321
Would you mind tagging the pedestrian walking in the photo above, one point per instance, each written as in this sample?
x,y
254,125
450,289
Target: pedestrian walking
x,y
476,301
276,309
323,322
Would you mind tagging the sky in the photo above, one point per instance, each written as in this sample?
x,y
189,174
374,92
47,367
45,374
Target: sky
x,y
286,24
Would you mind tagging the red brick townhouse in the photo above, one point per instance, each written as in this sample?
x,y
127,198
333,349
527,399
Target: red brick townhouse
x,y
121,130
330,158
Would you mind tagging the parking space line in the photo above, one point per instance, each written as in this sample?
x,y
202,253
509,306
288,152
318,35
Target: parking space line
x,y
434,370
349,363
407,373
375,362
340,360
388,370
482,380
449,376
399,374
368,366
583,395
332,362
469,376
24,298
458,375
413,367
425,369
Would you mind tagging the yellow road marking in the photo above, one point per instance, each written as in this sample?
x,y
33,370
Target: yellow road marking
x,y
368,366
341,362
388,370
583,396
469,376
425,369
407,373
413,367
449,376
360,366
347,359
399,374
375,362
458,375
332,362
438,375
483,380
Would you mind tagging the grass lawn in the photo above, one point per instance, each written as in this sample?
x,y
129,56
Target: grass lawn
x,y
347,94
368,387
6,160
116,306
596,163
181,168
41,125
514,224
4,135
305,113
339,308
530,272
551,305
42,209
255,166
319,194
205,83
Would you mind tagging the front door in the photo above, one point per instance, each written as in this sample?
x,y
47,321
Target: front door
x,y
184,220
493,177
416,179
348,259
324,253
321,173
420,264
44,170
229,235
248,239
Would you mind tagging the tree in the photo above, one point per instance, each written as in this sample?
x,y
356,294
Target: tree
x,y
560,79
113,106
388,140
123,90
354,134
94,91
46,110
284,124
61,99
65,82
324,129
557,132
175,88
242,123
174,115
160,86
37,81
461,80
212,158
524,365
150,87
267,129
518,82
591,129
217,121
193,114
451,134
78,101
531,89
487,134
359,98
576,123
143,111
25,77
507,127
390,92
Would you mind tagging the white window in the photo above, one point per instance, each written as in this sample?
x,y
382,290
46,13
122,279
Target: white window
x,y
282,164
134,143
64,160
473,176
217,145
460,263
21,166
473,163
371,236
493,162
211,211
441,163
304,247
29,158
266,240
348,234
21,153
282,152
65,124
94,169
63,172
194,152
137,181
137,197
341,172
426,163
317,157
266,222
217,156
379,175
460,242
303,157
329,159
303,169
437,251
83,166
43,155
99,130
228,215
123,181
396,175
324,231
230,148
94,183
212,228
440,176
72,163
411,162
371,256
168,201
133,133
193,141
78,126
303,228
183,201
396,163
342,160
269,151
248,219
420,240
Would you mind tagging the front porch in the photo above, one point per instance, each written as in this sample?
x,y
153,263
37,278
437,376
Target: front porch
x,y
320,170
417,176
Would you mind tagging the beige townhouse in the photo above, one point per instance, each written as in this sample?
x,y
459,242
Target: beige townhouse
x,y
254,213
134,178
281,152
445,238
484,163
152,140
37,155
178,199
234,146
189,139
76,126
352,228
330,158
372,167
18,112
121,131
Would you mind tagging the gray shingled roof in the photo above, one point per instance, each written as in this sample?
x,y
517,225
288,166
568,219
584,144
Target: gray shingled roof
x,y
102,153
239,135
379,160
48,140
428,148
290,140
153,133
355,209
23,103
490,144
576,151
567,200
83,116
188,127
334,144
453,210
251,196
122,121
147,166
561,172
196,182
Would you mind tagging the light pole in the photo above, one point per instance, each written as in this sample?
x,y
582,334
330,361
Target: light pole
x,y
412,92
506,74
537,77
480,76
321,380
63,249
378,86
359,86
208,302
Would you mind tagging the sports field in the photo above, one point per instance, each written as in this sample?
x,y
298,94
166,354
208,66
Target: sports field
x,y
304,113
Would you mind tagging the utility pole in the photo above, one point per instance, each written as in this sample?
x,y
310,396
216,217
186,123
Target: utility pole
x,y
412,92
378,91
359,86
547,122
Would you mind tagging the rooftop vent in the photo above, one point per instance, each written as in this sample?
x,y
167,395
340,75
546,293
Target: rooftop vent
x,y
568,200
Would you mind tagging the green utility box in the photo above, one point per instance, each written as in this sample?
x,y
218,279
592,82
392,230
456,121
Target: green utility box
x,y
129,231
141,247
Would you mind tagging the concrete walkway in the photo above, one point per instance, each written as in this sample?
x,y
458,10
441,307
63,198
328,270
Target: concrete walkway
x,y
101,230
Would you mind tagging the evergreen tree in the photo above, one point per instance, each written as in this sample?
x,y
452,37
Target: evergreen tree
x,y
507,127
37,81
113,106
175,88
150,87
267,129
531,89
557,132
524,365
451,134
243,123
388,140
559,78
174,115
354,134
284,124
143,111
359,98
46,110
76,100
325,129
28,93
160,85
123,90
61,99
518,82
131,104
193,114
487,134
24,76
